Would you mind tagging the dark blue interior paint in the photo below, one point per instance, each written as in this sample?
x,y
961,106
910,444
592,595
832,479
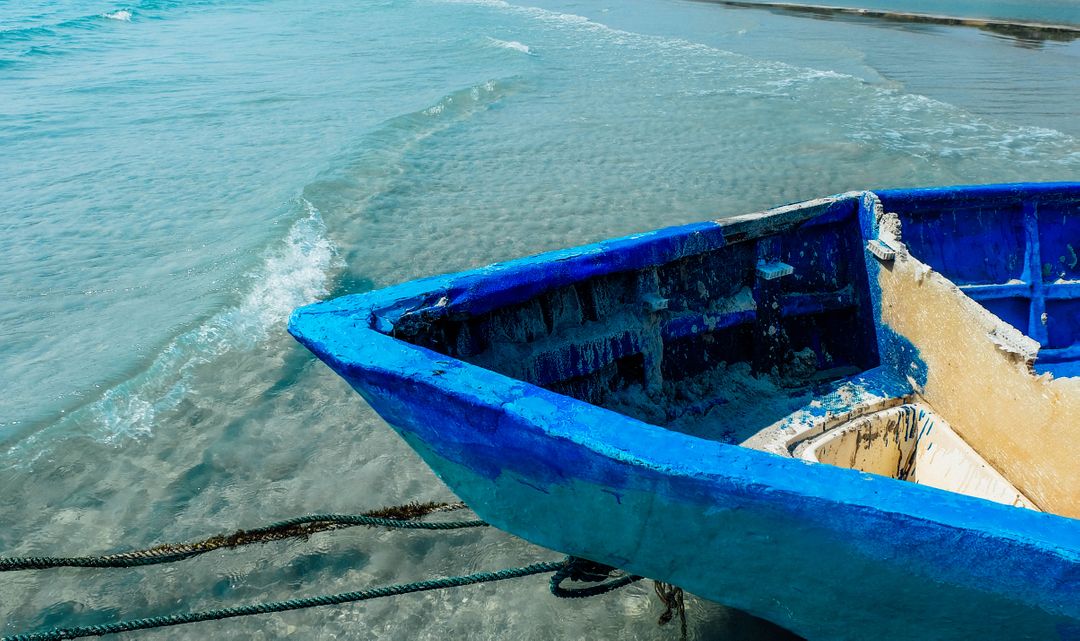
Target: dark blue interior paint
x,y
1013,248
596,336
1013,310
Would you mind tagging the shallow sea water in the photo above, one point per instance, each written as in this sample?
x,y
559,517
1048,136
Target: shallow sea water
x,y
178,176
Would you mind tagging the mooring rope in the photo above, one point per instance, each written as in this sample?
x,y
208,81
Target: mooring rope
x,y
605,577
578,569
399,517
283,606
672,598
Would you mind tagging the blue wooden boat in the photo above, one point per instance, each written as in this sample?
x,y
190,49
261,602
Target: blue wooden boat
x,y
857,417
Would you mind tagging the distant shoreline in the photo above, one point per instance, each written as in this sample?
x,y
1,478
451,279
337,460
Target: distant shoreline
x,y
1015,28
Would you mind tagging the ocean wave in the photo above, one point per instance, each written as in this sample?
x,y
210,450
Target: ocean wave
x,y
32,41
513,45
294,273
54,30
123,15
64,27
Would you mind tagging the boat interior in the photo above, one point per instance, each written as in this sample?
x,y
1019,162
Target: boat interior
x,y
1017,258
867,331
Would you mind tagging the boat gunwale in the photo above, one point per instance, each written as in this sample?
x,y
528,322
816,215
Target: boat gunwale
x,y
986,194
483,289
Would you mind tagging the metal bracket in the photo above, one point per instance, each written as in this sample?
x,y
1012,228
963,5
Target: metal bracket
x,y
883,252
773,270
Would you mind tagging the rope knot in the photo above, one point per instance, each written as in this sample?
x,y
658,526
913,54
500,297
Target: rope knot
x,y
585,571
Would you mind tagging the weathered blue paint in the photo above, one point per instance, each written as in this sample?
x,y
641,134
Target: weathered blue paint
x,y
1026,269
896,352
827,552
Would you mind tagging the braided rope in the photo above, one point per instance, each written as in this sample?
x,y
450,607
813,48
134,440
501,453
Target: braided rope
x,y
283,606
577,569
402,517
399,517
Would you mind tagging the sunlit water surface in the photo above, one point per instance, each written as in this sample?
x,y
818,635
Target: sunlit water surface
x,y
178,176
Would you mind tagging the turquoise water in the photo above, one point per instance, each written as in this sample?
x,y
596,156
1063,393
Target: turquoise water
x,y
177,176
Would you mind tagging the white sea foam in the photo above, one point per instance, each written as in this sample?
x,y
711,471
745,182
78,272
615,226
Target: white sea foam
x,y
293,273
123,15
513,45
924,127
461,103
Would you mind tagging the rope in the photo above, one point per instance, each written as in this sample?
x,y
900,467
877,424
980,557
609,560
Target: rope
x,y
283,606
672,598
584,570
400,517
578,569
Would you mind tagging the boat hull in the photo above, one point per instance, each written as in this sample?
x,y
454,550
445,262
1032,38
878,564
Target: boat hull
x,y
826,552
756,532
